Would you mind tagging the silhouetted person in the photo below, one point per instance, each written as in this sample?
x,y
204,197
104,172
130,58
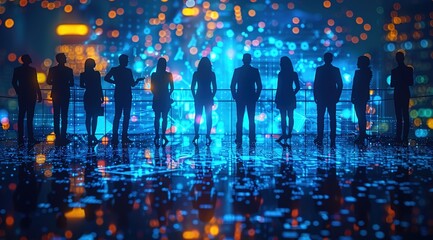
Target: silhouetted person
x,y
161,86
204,77
360,190
93,97
61,78
246,86
25,83
361,94
122,78
327,91
285,97
401,79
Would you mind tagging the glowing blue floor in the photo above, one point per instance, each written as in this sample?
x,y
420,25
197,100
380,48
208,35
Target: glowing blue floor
x,y
221,192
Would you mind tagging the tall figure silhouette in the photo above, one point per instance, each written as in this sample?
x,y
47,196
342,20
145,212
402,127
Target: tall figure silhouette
x,y
93,97
122,78
246,86
285,98
204,77
25,83
61,78
401,79
161,86
361,94
327,91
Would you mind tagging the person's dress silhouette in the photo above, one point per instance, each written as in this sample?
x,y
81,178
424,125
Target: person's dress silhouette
x,y
61,78
285,98
160,82
327,91
25,83
361,94
204,77
401,79
246,87
93,97
122,78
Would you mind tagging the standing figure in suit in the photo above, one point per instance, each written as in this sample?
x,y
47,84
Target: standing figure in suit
x,y
61,78
327,91
204,77
246,86
162,87
401,79
285,97
25,83
361,94
91,81
122,78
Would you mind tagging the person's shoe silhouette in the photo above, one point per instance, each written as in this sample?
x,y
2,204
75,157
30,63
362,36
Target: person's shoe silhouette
x,y
126,140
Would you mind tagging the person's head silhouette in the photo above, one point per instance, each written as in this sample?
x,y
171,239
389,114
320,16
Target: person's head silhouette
x,y
399,57
26,59
328,58
286,64
61,58
89,64
363,62
246,59
123,60
161,65
204,65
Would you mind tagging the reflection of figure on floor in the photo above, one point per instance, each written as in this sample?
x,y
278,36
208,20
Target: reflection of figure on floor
x,y
94,186
25,83
400,197
246,87
25,197
285,98
361,191
285,190
204,77
122,78
61,78
58,196
161,199
327,91
162,87
203,192
328,196
247,198
121,203
401,79
361,94
93,97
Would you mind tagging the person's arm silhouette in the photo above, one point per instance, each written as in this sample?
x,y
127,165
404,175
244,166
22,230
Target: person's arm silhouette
x,y
108,77
410,75
193,84
316,86
50,77
82,81
70,77
339,85
233,85
15,82
354,88
258,84
214,84
297,84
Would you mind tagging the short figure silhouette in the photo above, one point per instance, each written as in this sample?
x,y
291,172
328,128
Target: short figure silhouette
x,y
162,87
401,79
25,83
361,94
246,86
327,91
204,77
93,97
61,78
122,78
285,98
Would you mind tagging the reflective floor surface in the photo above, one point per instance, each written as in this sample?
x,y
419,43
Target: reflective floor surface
x,y
180,191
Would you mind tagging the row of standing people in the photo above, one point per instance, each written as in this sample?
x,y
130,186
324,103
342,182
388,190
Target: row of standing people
x,y
245,87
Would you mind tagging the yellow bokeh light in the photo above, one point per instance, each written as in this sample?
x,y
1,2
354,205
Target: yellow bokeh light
x,y
40,158
430,123
9,23
41,77
190,12
68,8
72,30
